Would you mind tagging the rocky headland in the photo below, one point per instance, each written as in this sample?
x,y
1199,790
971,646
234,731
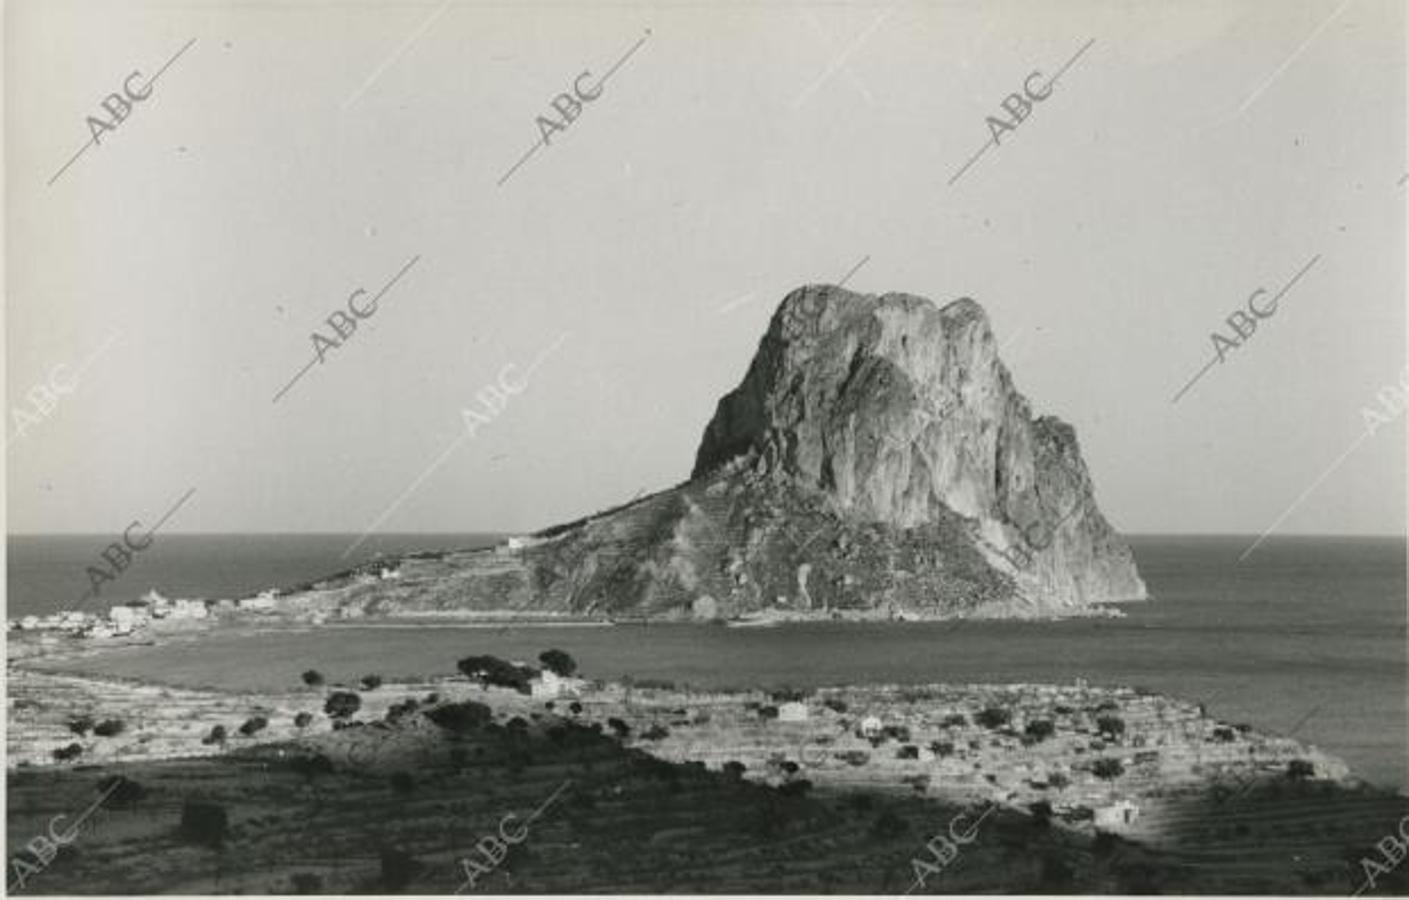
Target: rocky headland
x,y
875,462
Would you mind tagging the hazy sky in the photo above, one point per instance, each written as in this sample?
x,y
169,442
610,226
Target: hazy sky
x,y
297,152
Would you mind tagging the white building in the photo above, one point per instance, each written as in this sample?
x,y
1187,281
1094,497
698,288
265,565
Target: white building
x,y
871,727
792,712
1120,814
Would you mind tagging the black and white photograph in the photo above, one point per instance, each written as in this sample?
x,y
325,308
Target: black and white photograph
x,y
706,447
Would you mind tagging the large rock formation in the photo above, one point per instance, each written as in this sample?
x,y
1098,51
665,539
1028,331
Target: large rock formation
x,y
900,412
876,462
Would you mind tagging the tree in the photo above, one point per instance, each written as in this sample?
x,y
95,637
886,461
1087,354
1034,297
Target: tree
x,y
72,751
109,728
81,725
1112,726
493,671
621,729
1039,729
558,662
313,678
253,725
303,720
993,717
1107,768
656,732
342,704
371,682
217,736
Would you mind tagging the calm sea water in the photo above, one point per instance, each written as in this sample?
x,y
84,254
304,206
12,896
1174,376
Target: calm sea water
x,y
1306,635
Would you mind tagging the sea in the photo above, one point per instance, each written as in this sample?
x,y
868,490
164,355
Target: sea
x,y
1306,636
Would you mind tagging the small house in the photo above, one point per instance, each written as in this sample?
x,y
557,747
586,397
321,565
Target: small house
x,y
1118,815
792,712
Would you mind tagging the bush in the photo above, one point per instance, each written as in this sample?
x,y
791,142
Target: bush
x,y
955,720
109,728
371,682
432,698
835,705
854,757
313,678
621,729
558,662
303,720
72,751
398,868
342,704
1058,780
898,732
1039,729
217,736
1300,769
460,717
1112,726
942,748
493,671
768,712
253,725
909,751
656,732
993,717
203,822
734,769
80,725
1107,768
1223,734
575,708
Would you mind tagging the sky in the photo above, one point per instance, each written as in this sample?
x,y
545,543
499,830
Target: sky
x,y
294,160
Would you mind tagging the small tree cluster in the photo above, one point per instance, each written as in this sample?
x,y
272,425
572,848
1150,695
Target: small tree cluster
x,y
495,672
993,717
342,704
558,662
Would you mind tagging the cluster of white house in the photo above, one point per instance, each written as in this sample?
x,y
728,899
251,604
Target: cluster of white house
x,y
127,618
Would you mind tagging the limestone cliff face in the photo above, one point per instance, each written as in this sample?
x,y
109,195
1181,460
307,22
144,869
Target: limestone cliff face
x,y
901,412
